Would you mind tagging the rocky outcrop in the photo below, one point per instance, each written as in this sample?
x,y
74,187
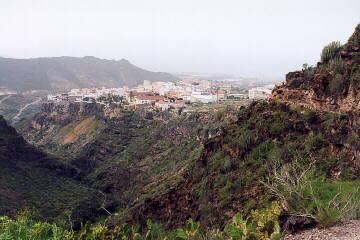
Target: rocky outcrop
x,y
71,108
330,86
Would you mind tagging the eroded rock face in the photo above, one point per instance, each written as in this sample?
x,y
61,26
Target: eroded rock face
x,y
313,89
70,108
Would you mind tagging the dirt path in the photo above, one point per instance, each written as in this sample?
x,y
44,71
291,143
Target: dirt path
x,y
5,98
17,117
349,230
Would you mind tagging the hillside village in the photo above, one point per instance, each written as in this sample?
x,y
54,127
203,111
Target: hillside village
x,y
162,95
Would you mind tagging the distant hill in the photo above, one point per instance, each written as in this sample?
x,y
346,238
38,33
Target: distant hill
x,y
63,73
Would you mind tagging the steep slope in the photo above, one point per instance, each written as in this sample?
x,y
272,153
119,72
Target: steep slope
x,y
333,85
205,166
63,73
32,179
10,106
228,176
130,156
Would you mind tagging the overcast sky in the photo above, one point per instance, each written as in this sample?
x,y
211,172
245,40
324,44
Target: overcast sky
x,y
251,38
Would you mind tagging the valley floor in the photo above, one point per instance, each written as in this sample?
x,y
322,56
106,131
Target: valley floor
x,y
349,230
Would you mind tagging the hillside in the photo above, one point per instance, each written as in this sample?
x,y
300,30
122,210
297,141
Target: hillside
x,y
125,155
16,108
203,166
64,73
30,179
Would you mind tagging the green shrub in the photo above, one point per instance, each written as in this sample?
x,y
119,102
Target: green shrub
x,y
191,231
330,50
337,65
352,140
276,128
310,116
307,194
307,69
261,224
337,84
246,139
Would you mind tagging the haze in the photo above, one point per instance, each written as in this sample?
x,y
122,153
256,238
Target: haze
x,y
249,38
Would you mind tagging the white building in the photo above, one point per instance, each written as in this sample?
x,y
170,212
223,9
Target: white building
x,y
203,98
259,93
163,105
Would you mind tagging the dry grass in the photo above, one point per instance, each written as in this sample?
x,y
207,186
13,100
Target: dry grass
x,y
74,130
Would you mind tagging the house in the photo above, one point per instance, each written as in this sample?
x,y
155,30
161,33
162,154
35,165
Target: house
x,y
163,105
220,93
203,97
147,99
259,93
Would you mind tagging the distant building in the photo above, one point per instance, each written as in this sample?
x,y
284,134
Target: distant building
x,y
203,97
163,105
6,91
259,93
148,99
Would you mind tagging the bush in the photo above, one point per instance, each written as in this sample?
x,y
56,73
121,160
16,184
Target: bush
x,y
276,128
330,50
337,65
337,84
261,224
314,196
310,116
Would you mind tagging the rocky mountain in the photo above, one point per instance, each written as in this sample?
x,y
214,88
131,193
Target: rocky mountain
x,y
63,73
333,85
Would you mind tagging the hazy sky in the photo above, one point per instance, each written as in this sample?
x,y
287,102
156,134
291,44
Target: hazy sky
x,y
251,38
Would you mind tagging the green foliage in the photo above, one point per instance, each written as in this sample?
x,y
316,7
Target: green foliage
x,y
190,232
24,228
310,116
330,50
307,69
352,140
276,128
308,194
261,224
337,84
337,65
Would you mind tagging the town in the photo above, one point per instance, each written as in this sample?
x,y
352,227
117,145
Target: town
x,y
162,95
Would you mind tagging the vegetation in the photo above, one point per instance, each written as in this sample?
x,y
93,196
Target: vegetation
x,y
262,224
306,194
329,51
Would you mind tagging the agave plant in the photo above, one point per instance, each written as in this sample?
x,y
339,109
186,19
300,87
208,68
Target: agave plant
x,y
329,51
337,65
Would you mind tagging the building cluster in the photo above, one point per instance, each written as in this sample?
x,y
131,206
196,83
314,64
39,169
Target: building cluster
x,y
259,93
163,95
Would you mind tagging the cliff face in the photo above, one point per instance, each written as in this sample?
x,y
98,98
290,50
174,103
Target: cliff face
x,y
72,109
333,85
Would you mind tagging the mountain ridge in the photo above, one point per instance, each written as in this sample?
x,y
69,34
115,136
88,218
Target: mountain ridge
x,y
63,73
